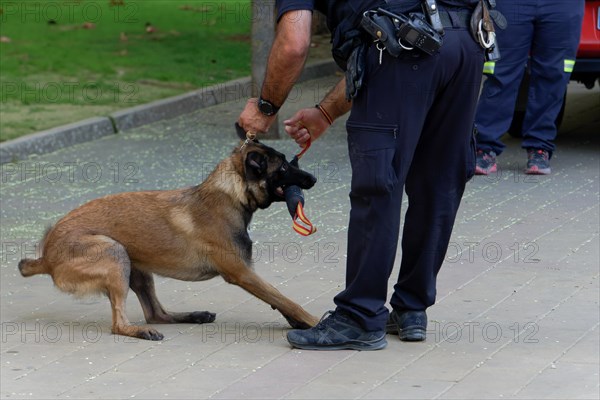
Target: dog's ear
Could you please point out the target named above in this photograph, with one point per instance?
(256, 163)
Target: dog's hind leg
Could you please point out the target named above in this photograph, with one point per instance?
(142, 283)
(98, 263)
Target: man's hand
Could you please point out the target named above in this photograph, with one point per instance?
(286, 62)
(252, 120)
(308, 123)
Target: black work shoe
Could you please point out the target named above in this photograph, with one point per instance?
(337, 331)
(411, 326)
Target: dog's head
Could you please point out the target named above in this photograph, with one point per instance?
(268, 173)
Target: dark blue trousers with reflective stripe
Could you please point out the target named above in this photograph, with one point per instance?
(549, 31)
(410, 128)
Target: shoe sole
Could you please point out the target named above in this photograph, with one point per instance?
(362, 346)
(407, 335)
(537, 171)
(487, 171)
(412, 335)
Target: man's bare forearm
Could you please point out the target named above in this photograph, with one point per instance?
(334, 102)
(288, 55)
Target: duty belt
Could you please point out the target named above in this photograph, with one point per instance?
(396, 32)
(455, 19)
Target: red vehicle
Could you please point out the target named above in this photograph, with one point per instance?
(587, 66)
(586, 70)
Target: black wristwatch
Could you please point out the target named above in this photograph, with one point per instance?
(266, 107)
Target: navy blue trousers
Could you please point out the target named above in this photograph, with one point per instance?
(410, 128)
(549, 32)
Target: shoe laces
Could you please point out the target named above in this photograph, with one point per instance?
(326, 320)
(486, 155)
(538, 154)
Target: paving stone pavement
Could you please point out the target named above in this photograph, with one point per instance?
(518, 297)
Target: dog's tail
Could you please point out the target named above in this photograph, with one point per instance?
(29, 266)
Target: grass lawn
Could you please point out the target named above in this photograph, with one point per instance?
(63, 61)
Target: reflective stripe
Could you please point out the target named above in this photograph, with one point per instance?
(488, 67)
(569, 64)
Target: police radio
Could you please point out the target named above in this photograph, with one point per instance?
(399, 32)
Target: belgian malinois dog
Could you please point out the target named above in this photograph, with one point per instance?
(117, 242)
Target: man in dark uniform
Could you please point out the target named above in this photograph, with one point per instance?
(410, 127)
(547, 32)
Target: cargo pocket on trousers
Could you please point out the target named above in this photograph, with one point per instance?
(371, 149)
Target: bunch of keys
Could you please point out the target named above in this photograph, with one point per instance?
(247, 137)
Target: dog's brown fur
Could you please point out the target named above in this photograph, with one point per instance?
(117, 242)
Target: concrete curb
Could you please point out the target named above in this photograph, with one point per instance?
(178, 105)
(56, 138)
(94, 128)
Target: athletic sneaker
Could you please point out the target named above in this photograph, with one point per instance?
(337, 331)
(485, 163)
(537, 162)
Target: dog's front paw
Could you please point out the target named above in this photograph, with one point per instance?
(149, 334)
(297, 324)
(201, 317)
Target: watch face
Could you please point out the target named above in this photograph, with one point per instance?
(266, 107)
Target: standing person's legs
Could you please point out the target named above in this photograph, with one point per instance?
(555, 41)
(500, 89)
(438, 163)
(443, 163)
(383, 130)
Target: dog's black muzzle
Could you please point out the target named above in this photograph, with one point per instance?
(291, 179)
(295, 176)
(302, 180)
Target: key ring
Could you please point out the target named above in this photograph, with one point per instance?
(249, 138)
